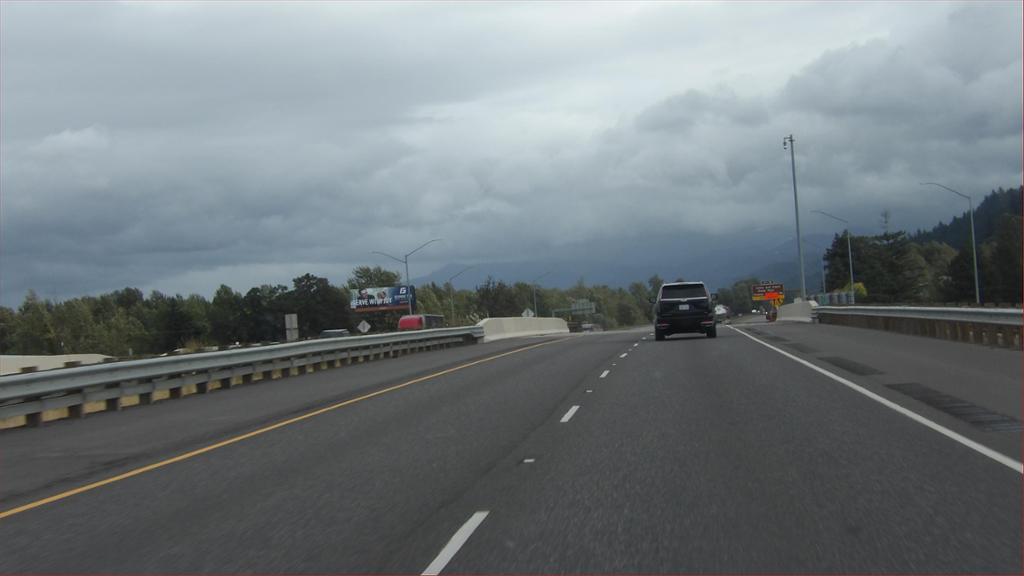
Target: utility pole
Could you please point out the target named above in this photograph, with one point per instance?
(788, 140)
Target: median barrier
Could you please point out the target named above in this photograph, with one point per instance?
(500, 328)
(1000, 327)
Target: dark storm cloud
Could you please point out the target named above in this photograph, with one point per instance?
(178, 146)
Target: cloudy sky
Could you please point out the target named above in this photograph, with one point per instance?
(181, 145)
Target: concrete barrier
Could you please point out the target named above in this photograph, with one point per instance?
(986, 326)
(500, 328)
(11, 364)
(796, 312)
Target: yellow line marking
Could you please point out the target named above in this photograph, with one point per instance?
(247, 435)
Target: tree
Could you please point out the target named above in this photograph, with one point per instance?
(497, 299)
(1006, 261)
(263, 310)
(176, 323)
(74, 327)
(625, 314)
(319, 305)
(642, 296)
(738, 297)
(937, 257)
(227, 316)
(429, 302)
(33, 331)
(7, 321)
(367, 277)
(655, 282)
(120, 335)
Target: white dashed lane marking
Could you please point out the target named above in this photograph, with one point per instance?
(569, 414)
(452, 547)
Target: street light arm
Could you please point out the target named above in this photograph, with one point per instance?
(534, 281)
(466, 269)
(424, 245)
(945, 188)
(823, 213)
(389, 256)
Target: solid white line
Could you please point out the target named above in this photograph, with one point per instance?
(604, 374)
(979, 448)
(452, 547)
(624, 355)
(569, 414)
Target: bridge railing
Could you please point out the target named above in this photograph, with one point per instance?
(986, 326)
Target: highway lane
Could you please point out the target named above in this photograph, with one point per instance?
(68, 453)
(686, 455)
(336, 492)
(685, 460)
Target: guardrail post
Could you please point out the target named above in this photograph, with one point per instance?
(113, 404)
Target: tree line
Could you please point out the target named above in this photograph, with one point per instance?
(927, 267)
(937, 266)
(128, 323)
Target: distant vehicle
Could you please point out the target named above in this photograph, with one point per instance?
(420, 322)
(721, 312)
(684, 307)
(335, 333)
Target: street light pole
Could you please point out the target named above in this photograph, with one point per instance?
(974, 245)
(451, 295)
(788, 140)
(849, 249)
(536, 313)
(405, 261)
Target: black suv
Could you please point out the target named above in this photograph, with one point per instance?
(684, 307)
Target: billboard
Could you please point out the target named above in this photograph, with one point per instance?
(382, 299)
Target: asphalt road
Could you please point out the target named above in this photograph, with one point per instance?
(596, 453)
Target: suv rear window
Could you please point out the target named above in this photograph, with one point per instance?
(683, 291)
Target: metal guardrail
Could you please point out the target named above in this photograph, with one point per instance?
(33, 393)
(1001, 316)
